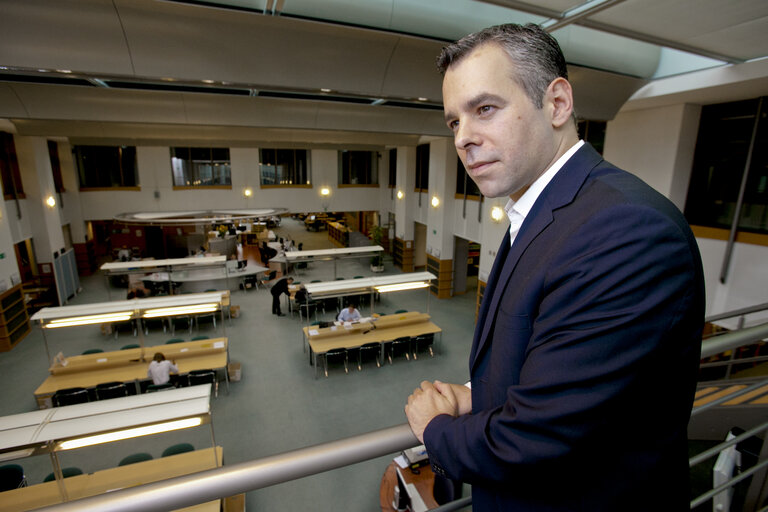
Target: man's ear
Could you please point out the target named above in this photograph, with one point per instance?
(560, 98)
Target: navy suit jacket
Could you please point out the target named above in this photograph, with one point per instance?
(585, 355)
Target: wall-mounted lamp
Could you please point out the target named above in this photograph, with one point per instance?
(435, 202)
(497, 214)
(51, 201)
(400, 194)
(325, 191)
(247, 192)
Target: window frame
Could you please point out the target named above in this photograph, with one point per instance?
(190, 165)
(77, 154)
(293, 172)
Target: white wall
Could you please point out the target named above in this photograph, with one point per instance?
(656, 144)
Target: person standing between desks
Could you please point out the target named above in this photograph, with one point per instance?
(584, 362)
(349, 314)
(279, 288)
(160, 369)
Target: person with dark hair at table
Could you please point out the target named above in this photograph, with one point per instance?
(160, 369)
(586, 351)
(279, 288)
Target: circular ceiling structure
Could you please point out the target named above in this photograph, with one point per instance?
(197, 216)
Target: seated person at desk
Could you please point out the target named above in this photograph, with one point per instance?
(160, 369)
(349, 314)
(124, 254)
(138, 290)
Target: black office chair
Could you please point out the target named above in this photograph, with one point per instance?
(368, 351)
(334, 355)
(134, 458)
(196, 377)
(65, 473)
(70, 396)
(177, 449)
(400, 346)
(422, 343)
(110, 390)
(12, 477)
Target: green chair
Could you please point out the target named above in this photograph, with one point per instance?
(92, 351)
(315, 281)
(128, 347)
(198, 338)
(12, 477)
(358, 277)
(65, 472)
(177, 449)
(174, 340)
(134, 458)
(401, 311)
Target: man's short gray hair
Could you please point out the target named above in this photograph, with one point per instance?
(537, 57)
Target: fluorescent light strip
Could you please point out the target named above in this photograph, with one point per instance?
(402, 286)
(130, 433)
(92, 319)
(181, 310)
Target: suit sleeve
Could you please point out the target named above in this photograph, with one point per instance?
(611, 305)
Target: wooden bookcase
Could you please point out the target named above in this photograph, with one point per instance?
(14, 322)
(86, 258)
(402, 254)
(442, 287)
(338, 233)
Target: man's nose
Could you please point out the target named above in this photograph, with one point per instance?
(464, 136)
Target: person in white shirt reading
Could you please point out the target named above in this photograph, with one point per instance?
(350, 314)
(160, 369)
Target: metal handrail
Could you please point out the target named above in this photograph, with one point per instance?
(234, 479)
(733, 340)
(737, 312)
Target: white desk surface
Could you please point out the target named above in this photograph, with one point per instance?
(210, 274)
(347, 285)
(126, 265)
(333, 253)
(129, 305)
(69, 421)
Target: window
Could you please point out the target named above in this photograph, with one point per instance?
(201, 167)
(358, 168)
(284, 167)
(464, 184)
(422, 168)
(106, 166)
(723, 149)
(9, 168)
(53, 153)
(393, 168)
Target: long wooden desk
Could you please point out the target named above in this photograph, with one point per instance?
(106, 480)
(126, 366)
(381, 330)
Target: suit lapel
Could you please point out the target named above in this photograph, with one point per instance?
(561, 191)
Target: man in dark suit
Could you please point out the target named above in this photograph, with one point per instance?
(279, 288)
(585, 355)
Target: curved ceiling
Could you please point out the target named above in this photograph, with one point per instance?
(341, 66)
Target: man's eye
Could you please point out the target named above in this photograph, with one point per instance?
(453, 125)
(485, 109)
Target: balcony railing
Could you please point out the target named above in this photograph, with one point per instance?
(248, 476)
